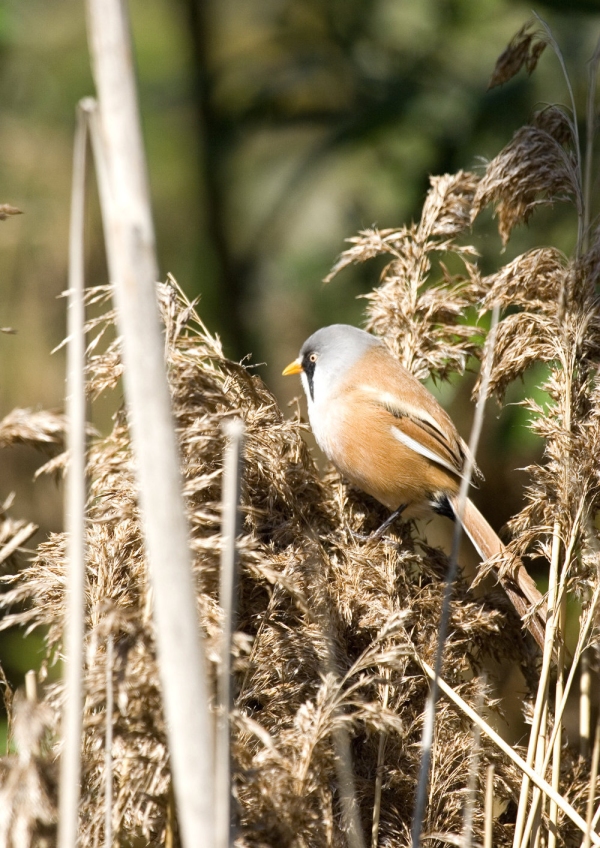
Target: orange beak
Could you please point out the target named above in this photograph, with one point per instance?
(294, 367)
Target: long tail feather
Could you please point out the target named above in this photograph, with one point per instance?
(520, 588)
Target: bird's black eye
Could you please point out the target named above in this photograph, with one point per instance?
(313, 357)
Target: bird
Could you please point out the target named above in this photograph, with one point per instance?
(387, 434)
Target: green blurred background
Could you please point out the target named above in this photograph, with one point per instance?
(274, 130)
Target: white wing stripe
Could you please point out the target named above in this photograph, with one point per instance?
(392, 402)
(411, 443)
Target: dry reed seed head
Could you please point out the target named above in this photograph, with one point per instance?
(532, 281)
(524, 50)
(563, 488)
(586, 270)
(557, 122)
(420, 318)
(522, 339)
(28, 780)
(534, 168)
(368, 244)
(7, 211)
(36, 428)
(116, 566)
(447, 207)
(14, 534)
(559, 327)
(584, 575)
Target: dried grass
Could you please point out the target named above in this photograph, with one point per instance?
(330, 624)
(524, 50)
(6, 211)
(423, 323)
(323, 616)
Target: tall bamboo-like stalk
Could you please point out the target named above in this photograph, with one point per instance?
(379, 772)
(467, 831)
(488, 830)
(232, 472)
(592, 788)
(108, 743)
(133, 269)
(70, 764)
(536, 749)
(585, 709)
(557, 745)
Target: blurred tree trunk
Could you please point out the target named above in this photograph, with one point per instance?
(215, 133)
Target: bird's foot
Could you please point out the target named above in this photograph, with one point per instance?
(388, 523)
(360, 537)
(376, 535)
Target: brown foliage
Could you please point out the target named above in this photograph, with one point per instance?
(421, 318)
(330, 621)
(326, 620)
(524, 50)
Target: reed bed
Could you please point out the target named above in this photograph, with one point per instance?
(336, 633)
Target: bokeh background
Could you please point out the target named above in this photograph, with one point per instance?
(274, 130)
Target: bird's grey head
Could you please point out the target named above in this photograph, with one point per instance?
(328, 354)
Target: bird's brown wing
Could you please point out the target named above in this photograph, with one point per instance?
(413, 409)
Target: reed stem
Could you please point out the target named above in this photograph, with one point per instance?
(108, 742)
(75, 498)
(232, 475)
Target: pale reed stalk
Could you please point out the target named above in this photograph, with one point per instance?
(230, 522)
(521, 831)
(31, 692)
(534, 836)
(488, 816)
(557, 734)
(592, 788)
(585, 706)
(75, 497)
(108, 743)
(467, 831)
(379, 775)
